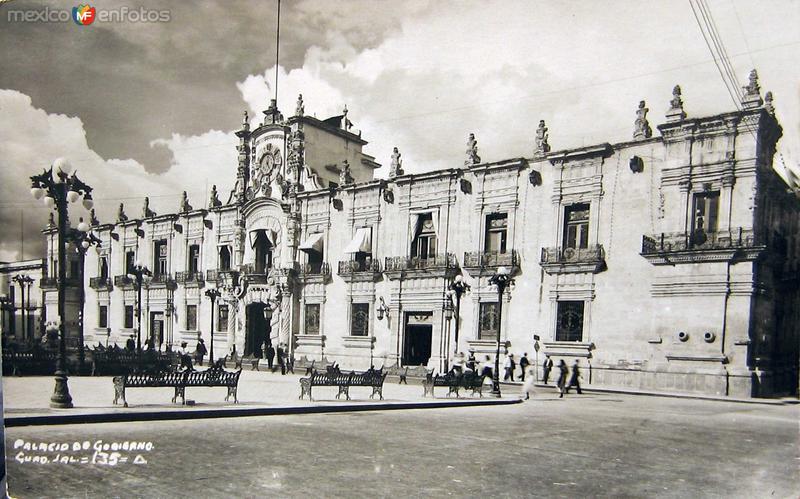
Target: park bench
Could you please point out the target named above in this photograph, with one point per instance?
(29, 362)
(178, 380)
(454, 382)
(343, 381)
(314, 365)
(117, 361)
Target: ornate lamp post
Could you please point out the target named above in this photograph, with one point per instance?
(138, 272)
(83, 239)
(58, 187)
(458, 287)
(501, 279)
(212, 294)
(24, 280)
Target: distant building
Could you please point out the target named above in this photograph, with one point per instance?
(21, 301)
(667, 262)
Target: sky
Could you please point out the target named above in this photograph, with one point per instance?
(148, 108)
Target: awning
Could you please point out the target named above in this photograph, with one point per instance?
(362, 241)
(415, 217)
(312, 243)
(270, 234)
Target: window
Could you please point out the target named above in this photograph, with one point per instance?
(424, 244)
(160, 258)
(102, 316)
(576, 230)
(315, 261)
(496, 231)
(569, 323)
(224, 258)
(706, 205)
(312, 318)
(222, 318)
(103, 268)
(359, 319)
(488, 323)
(191, 317)
(128, 316)
(74, 269)
(130, 261)
(194, 259)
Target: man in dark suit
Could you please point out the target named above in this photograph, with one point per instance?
(282, 358)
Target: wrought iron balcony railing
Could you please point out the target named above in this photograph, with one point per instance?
(100, 283)
(164, 279)
(319, 268)
(440, 261)
(491, 259)
(669, 242)
(123, 281)
(559, 255)
(353, 266)
(52, 282)
(185, 277)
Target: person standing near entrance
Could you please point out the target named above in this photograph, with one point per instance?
(282, 358)
(186, 359)
(200, 352)
(562, 377)
(523, 366)
(130, 344)
(573, 380)
(546, 368)
(509, 366)
(270, 357)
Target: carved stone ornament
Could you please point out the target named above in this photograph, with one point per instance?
(542, 147)
(751, 94)
(396, 167)
(535, 178)
(121, 216)
(185, 206)
(93, 218)
(388, 196)
(344, 175)
(146, 211)
(676, 112)
(768, 106)
(472, 151)
(300, 109)
(214, 201)
(636, 164)
(642, 128)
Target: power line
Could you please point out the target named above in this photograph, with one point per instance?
(714, 56)
(721, 50)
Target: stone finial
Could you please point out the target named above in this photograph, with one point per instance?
(185, 206)
(146, 211)
(344, 176)
(642, 128)
(214, 201)
(246, 121)
(272, 115)
(346, 124)
(676, 112)
(300, 109)
(542, 147)
(93, 221)
(51, 221)
(768, 106)
(472, 151)
(121, 216)
(396, 167)
(751, 94)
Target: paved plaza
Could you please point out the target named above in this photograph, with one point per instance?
(594, 445)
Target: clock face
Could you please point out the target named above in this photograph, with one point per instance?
(269, 160)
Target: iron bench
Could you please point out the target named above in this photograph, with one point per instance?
(344, 380)
(454, 382)
(122, 362)
(178, 380)
(32, 362)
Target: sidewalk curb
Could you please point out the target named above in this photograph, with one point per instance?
(172, 415)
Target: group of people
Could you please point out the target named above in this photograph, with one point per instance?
(281, 355)
(566, 379)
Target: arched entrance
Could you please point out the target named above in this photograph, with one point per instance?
(258, 329)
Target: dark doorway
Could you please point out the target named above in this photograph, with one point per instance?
(156, 329)
(258, 330)
(417, 347)
(263, 248)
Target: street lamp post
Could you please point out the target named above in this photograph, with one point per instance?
(58, 187)
(24, 280)
(458, 287)
(138, 272)
(83, 239)
(501, 279)
(212, 294)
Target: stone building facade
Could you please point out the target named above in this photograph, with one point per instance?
(21, 319)
(667, 262)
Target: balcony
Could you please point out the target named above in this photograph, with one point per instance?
(669, 248)
(52, 282)
(314, 272)
(190, 278)
(162, 280)
(485, 263)
(123, 281)
(440, 265)
(359, 270)
(558, 260)
(101, 283)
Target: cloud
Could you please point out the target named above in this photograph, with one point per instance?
(33, 138)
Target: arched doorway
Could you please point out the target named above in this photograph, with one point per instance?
(258, 329)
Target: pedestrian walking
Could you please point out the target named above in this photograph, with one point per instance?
(546, 368)
(185, 358)
(573, 379)
(130, 344)
(200, 352)
(471, 362)
(527, 386)
(487, 368)
(458, 363)
(290, 362)
(509, 366)
(281, 358)
(562, 377)
(523, 366)
(270, 356)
